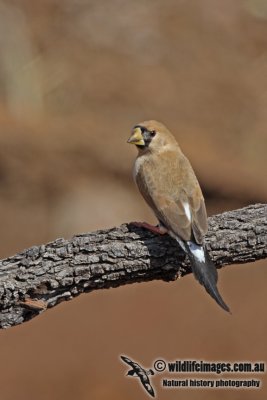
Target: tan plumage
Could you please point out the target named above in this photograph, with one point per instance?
(167, 182)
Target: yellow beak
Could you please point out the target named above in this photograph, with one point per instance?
(136, 137)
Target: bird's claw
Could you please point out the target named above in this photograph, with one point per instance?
(160, 230)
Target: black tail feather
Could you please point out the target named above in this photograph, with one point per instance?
(206, 274)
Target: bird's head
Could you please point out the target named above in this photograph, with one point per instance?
(150, 136)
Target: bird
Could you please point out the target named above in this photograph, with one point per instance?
(170, 187)
(141, 373)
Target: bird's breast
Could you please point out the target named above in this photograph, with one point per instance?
(139, 162)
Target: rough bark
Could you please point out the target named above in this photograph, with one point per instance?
(43, 276)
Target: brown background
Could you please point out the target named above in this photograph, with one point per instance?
(75, 76)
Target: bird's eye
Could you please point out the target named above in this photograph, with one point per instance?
(152, 133)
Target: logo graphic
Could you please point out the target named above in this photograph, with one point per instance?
(141, 373)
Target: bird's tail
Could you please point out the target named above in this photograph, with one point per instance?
(205, 271)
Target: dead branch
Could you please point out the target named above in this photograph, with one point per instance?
(43, 276)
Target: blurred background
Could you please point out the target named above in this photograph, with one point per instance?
(75, 76)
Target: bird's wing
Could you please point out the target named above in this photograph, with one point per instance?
(149, 389)
(132, 364)
(127, 360)
(171, 189)
(199, 218)
(146, 383)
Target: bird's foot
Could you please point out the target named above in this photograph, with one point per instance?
(159, 229)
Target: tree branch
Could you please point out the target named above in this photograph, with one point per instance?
(43, 276)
